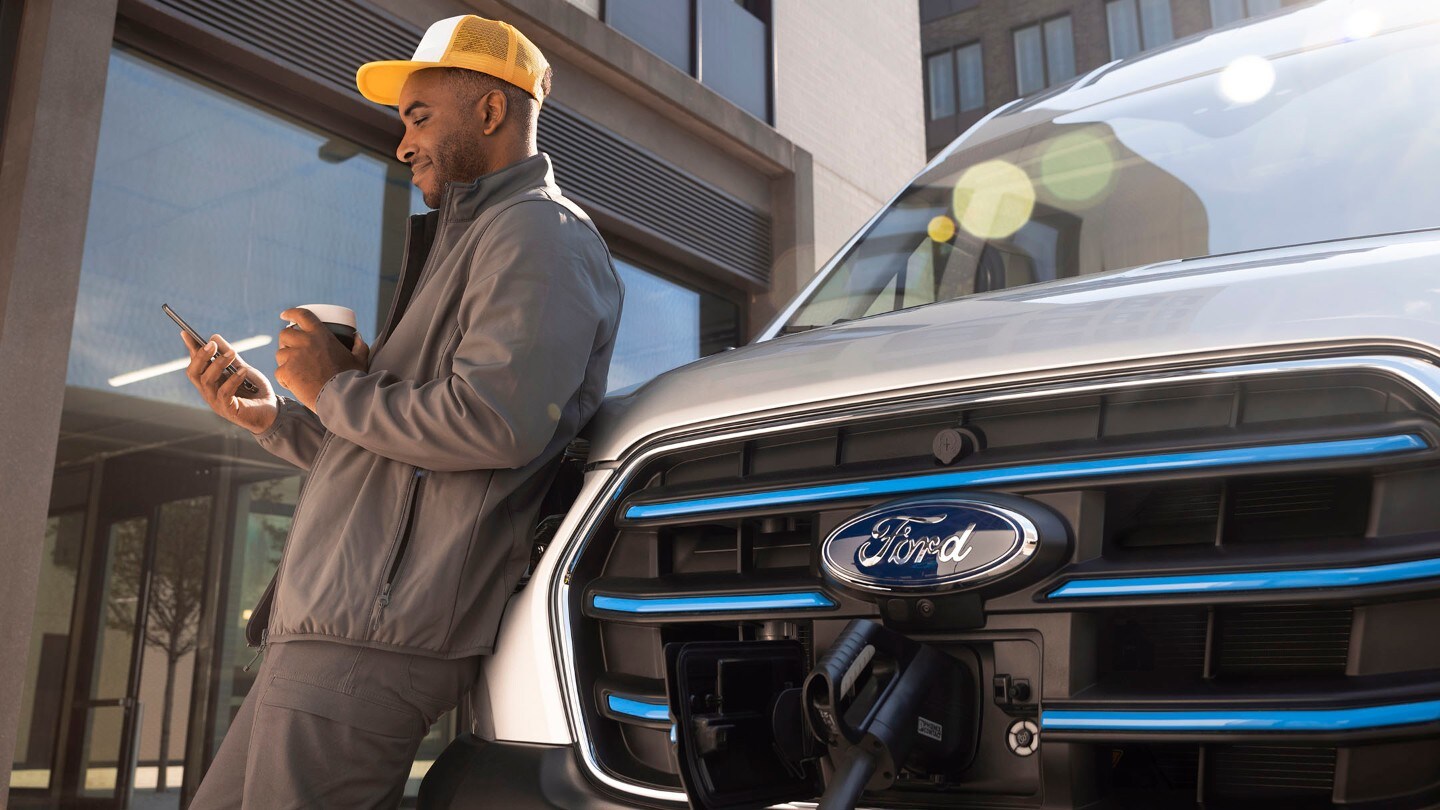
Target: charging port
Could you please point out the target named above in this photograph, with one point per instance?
(876, 704)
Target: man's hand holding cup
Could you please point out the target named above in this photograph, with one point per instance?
(311, 349)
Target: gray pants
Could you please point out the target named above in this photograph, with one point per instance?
(331, 725)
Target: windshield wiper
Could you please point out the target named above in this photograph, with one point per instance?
(795, 328)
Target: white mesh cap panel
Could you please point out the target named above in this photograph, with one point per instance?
(437, 38)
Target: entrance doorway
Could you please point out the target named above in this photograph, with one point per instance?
(107, 702)
(163, 532)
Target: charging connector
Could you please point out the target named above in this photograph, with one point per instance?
(881, 702)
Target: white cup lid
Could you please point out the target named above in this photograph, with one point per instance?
(332, 313)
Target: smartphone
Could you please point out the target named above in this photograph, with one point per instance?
(247, 386)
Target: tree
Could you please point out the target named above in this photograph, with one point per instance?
(177, 580)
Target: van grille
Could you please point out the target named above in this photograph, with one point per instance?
(1255, 651)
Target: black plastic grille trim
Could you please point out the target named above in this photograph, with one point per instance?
(1269, 771)
(1289, 638)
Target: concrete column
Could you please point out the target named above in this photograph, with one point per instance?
(792, 238)
(51, 131)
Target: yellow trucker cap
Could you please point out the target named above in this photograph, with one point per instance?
(467, 41)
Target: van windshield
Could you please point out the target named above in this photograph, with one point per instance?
(1317, 144)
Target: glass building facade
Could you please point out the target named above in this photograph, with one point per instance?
(165, 523)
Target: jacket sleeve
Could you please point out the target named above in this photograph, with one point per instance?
(529, 318)
(295, 435)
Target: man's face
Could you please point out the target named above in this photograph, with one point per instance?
(443, 141)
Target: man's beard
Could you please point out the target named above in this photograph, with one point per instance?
(456, 159)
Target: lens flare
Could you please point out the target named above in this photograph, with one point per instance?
(1077, 166)
(994, 199)
(1246, 80)
(941, 229)
(1363, 23)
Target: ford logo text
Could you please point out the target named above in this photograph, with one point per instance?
(929, 544)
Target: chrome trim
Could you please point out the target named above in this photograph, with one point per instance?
(1421, 375)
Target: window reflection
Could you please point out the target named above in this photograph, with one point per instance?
(263, 512)
(169, 522)
(734, 53)
(1169, 173)
(723, 43)
(228, 216)
(664, 325)
(230, 213)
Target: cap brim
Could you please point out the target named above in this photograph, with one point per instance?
(381, 82)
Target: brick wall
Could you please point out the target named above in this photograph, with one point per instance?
(992, 22)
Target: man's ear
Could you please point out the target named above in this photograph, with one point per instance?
(491, 110)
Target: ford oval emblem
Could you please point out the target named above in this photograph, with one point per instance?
(929, 544)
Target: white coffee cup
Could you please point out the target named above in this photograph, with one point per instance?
(339, 320)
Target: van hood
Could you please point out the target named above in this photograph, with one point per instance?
(1369, 292)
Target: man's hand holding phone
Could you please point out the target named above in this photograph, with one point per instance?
(254, 412)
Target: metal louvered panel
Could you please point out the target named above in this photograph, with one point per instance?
(598, 167)
(329, 39)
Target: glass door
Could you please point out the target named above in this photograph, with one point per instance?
(128, 722)
(108, 712)
(174, 588)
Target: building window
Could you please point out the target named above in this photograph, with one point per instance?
(1044, 54)
(940, 84)
(1137, 25)
(1224, 12)
(230, 212)
(954, 80)
(663, 27)
(971, 70)
(931, 10)
(723, 43)
(664, 325)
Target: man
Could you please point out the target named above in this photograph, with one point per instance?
(428, 453)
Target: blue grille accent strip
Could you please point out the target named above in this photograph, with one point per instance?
(1251, 580)
(801, 600)
(635, 707)
(1161, 462)
(1278, 720)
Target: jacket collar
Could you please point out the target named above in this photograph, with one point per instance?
(465, 201)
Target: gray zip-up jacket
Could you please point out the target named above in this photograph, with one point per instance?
(414, 524)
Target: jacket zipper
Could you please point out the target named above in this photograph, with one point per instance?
(401, 544)
(393, 570)
(264, 642)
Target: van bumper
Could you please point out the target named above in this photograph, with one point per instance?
(476, 773)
